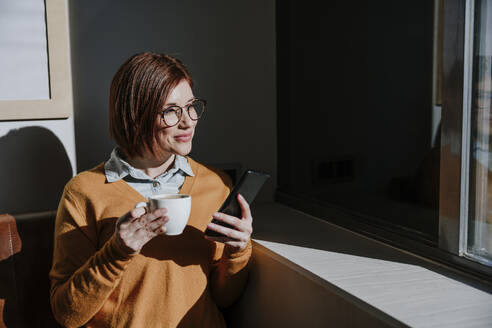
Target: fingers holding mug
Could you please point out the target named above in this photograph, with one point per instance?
(178, 208)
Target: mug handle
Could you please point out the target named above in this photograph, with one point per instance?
(144, 205)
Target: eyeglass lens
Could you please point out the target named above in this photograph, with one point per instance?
(173, 114)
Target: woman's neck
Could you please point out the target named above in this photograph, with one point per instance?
(153, 167)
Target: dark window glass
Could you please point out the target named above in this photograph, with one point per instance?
(358, 125)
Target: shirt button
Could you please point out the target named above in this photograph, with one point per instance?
(156, 184)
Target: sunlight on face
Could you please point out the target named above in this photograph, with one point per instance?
(177, 139)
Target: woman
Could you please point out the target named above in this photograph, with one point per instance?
(112, 265)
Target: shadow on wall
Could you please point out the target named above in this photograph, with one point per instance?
(34, 168)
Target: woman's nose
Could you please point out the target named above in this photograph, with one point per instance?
(186, 121)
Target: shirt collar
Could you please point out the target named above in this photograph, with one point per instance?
(182, 164)
(117, 168)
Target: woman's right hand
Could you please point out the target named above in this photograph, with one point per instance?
(137, 227)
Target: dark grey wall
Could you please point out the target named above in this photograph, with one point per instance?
(229, 48)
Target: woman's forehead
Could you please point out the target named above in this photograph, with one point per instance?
(181, 94)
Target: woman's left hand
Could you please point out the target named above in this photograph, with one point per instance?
(237, 237)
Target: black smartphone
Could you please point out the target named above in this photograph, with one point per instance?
(248, 186)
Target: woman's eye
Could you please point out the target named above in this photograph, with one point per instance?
(169, 111)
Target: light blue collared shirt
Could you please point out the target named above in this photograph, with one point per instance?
(169, 182)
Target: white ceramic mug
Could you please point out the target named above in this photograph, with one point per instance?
(178, 210)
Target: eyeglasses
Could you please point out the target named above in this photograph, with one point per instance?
(172, 115)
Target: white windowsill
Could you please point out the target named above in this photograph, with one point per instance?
(406, 288)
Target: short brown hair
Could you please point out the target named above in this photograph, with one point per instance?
(138, 92)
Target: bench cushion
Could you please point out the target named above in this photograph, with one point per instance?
(26, 247)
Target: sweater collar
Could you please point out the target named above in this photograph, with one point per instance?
(117, 168)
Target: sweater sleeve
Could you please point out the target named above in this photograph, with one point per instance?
(229, 274)
(82, 276)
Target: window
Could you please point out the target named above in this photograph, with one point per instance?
(372, 123)
(479, 243)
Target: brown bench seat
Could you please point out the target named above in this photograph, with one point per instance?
(26, 247)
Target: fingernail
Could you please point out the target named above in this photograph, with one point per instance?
(215, 214)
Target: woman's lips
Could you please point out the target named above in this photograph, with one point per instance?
(183, 137)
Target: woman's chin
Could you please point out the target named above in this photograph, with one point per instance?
(183, 149)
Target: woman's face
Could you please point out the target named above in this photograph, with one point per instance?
(177, 139)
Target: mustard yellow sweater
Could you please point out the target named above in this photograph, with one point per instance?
(174, 280)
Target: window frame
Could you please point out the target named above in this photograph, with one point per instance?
(455, 142)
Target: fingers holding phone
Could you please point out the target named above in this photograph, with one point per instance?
(236, 232)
